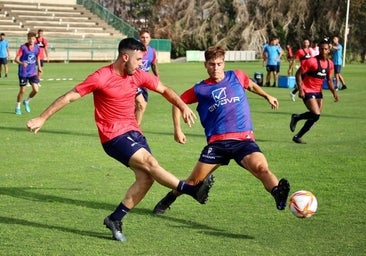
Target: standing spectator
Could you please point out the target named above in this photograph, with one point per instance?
(290, 58)
(337, 50)
(272, 54)
(309, 78)
(302, 54)
(227, 138)
(277, 42)
(43, 48)
(114, 89)
(149, 59)
(27, 58)
(4, 55)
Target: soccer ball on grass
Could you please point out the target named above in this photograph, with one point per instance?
(303, 204)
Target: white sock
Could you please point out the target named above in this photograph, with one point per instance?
(17, 105)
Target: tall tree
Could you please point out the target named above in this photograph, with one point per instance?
(247, 24)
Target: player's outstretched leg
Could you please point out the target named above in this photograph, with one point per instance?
(201, 196)
(280, 193)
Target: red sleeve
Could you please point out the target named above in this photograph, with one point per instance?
(299, 54)
(20, 52)
(243, 78)
(189, 96)
(146, 79)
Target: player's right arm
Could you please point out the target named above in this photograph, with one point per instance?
(35, 124)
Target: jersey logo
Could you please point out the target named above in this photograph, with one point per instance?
(219, 94)
(221, 99)
(144, 65)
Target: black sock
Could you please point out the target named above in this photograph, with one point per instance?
(119, 212)
(294, 91)
(308, 124)
(186, 188)
(274, 191)
(306, 115)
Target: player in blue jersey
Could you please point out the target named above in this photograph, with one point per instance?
(224, 113)
(27, 58)
(4, 54)
(272, 54)
(149, 60)
(337, 50)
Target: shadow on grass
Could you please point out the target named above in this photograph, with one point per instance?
(63, 132)
(14, 221)
(201, 228)
(28, 193)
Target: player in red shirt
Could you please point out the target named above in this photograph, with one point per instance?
(43, 49)
(301, 54)
(309, 79)
(114, 88)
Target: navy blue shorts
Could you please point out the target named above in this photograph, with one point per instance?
(143, 91)
(32, 80)
(221, 152)
(124, 146)
(317, 95)
(337, 69)
(3, 61)
(271, 68)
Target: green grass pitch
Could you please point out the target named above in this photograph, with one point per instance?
(56, 187)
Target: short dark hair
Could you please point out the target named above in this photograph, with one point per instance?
(31, 34)
(143, 31)
(214, 52)
(2, 34)
(130, 44)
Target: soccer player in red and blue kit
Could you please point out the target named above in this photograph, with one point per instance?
(149, 60)
(27, 58)
(309, 79)
(225, 116)
(114, 88)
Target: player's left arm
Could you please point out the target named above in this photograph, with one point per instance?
(39, 64)
(188, 115)
(254, 88)
(154, 68)
(46, 51)
(330, 83)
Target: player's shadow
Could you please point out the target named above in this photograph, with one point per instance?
(63, 132)
(27, 193)
(30, 194)
(15, 221)
(190, 224)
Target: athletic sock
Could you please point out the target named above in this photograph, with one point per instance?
(119, 212)
(306, 115)
(17, 105)
(274, 190)
(186, 188)
(308, 124)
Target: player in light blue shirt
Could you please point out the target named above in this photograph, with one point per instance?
(337, 51)
(4, 55)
